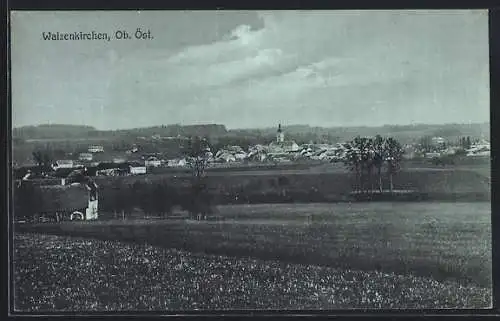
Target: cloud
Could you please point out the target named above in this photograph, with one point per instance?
(316, 66)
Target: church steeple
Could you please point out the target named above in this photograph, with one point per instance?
(280, 137)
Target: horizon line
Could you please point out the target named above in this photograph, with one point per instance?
(252, 128)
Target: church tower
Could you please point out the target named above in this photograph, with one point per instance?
(280, 137)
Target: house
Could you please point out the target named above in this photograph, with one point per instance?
(152, 162)
(176, 163)
(119, 160)
(63, 163)
(85, 157)
(479, 150)
(437, 141)
(240, 155)
(95, 149)
(234, 149)
(225, 156)
(78, 201)
(137, 169)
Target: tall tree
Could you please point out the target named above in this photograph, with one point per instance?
(468, 143)
(360, 159)
(353, 161)
(365, 147)
(197, 154)
(379, 156)
(394, 153)
(426, 144)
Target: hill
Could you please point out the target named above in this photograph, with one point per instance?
(403, 133)
(301, 133)
(60, 132)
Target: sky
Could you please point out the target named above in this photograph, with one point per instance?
(249, 69)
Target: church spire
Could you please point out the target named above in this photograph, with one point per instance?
(280, 137)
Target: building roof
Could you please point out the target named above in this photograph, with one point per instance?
(63, 198)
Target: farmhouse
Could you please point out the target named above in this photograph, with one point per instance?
(78, 201)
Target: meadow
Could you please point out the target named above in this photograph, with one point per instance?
(81, 275)
(337, 255)
(444, 241)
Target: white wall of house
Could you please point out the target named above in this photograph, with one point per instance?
(64, 164)
(85, 156)
(91, 213)
(152, 163)
(138, 170)
(96, 149)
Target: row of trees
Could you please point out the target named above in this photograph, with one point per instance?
(368, 156)
(158, 198)
(161, 197)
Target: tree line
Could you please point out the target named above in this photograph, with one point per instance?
(371, 158)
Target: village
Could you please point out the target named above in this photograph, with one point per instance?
(281, 150)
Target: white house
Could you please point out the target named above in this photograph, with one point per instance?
(64, 163)
(95, 149)
(85, 157)
(137, 170)
(119, 160)
(482, 149)
(152, 162)
(227, 157)
(176, 163)
(240, 155)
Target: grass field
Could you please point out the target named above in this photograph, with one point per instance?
(445, 241)
(75, 274)
(327, 183)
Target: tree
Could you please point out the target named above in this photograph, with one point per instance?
(197, 154)
(163, 198)
(426, 144)
(42, 160)
(380, 151)
(360, 159)
(353, 161)
(394, 153)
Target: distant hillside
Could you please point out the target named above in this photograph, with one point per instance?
(211, 130)
(52, 131)
(74, 131)
(216, 132)
(404, 133)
